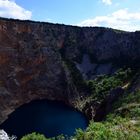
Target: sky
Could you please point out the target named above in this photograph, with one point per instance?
(118, 14)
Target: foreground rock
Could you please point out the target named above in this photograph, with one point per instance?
(4, 136)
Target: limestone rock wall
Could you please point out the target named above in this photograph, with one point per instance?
(31, 56)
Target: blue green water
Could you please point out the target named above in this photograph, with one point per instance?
(50, 118)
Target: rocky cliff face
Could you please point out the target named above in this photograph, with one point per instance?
(33, 55)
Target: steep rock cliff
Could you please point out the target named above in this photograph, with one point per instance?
(33, 58)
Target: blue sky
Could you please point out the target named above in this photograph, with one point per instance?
(119, 14)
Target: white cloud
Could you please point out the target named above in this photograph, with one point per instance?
(9, 9)
(107, 2)
(121, 19)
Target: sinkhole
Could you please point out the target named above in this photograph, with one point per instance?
(50, 118)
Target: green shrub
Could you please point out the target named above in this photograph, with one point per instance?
(128, 105)
(102, 85)
(37, 136)
(116, 129)
(34, 136)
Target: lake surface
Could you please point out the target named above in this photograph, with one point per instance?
(50, 118)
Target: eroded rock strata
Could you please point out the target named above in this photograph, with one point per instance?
(35, 61)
